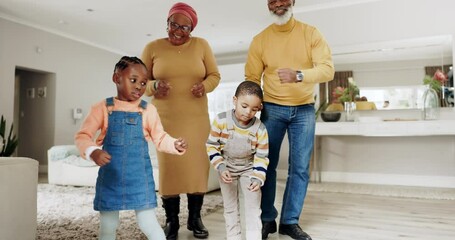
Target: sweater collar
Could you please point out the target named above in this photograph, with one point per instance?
(287, 27)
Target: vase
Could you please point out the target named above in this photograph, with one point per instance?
(430, 104)
(349, 108)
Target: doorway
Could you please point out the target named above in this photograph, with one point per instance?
(34, 114)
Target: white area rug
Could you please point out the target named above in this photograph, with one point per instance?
(385, 190)
(66, 212)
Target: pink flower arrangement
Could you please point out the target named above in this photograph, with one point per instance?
(440, 76)
(345, 94)
(435, 82)
(337, 93)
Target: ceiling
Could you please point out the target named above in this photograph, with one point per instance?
(125, 26)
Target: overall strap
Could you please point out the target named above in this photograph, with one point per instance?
(142, 106)
(254, 129)
(229, 122)
(110, 104)
(110, 101)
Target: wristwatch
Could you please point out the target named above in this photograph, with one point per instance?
(299, 76)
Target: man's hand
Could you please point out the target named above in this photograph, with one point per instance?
(101, 157)
(287, 75)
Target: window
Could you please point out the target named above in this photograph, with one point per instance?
(220, 99)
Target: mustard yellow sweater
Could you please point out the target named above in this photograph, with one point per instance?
(294, 45)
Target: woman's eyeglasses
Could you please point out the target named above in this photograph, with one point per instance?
(174, 26)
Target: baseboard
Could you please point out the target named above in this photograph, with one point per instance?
(380, 178)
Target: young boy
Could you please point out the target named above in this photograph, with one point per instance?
(238, 148)
(126, 123)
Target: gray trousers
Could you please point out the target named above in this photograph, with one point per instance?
(252, 207)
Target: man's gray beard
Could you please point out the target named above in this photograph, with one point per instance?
(281, 20)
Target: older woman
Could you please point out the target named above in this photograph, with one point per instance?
(182, 70)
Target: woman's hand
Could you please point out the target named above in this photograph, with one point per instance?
(100, 157)
(198, 90)
(162, 89)
(180, 144)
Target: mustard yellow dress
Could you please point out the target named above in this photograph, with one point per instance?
(182, 114)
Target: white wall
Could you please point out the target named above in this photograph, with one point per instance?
(384, 20)
(83, 73)
(390, 73)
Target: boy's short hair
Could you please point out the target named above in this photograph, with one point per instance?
(249, 88)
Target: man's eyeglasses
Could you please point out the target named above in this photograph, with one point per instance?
(174, 26)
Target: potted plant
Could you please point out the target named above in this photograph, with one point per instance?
(322, 107)
(7, 144)
(349, 93)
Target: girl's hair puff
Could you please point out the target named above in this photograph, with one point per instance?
(126, 61)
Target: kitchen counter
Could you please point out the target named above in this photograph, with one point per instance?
(413, 152)
(387, 128)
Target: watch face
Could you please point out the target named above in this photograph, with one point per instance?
(299, 76)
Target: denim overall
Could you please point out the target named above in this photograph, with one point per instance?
(239, 154)
(126, 183)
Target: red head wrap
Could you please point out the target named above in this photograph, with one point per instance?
(186, 10)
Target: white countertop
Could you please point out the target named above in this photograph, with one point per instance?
(387, 128)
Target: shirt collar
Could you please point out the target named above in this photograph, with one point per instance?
(287, 27)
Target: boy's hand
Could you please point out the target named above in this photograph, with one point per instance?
(254, 186)
(100, 157)
(180, 144)
(226, 176)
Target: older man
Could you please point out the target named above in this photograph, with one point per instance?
(289, 57)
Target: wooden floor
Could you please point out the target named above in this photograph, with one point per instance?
(341, 216)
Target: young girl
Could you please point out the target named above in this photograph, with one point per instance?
(126, 123)
(238, 148)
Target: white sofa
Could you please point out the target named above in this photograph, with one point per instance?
(18, 198)
(66, 167)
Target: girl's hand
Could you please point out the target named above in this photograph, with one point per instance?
(226, 176)
(254, 186)
(180, 144)
(101, 157)
(198, 90)
(162, 89)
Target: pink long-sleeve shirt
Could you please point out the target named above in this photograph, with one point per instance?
(97, 120)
